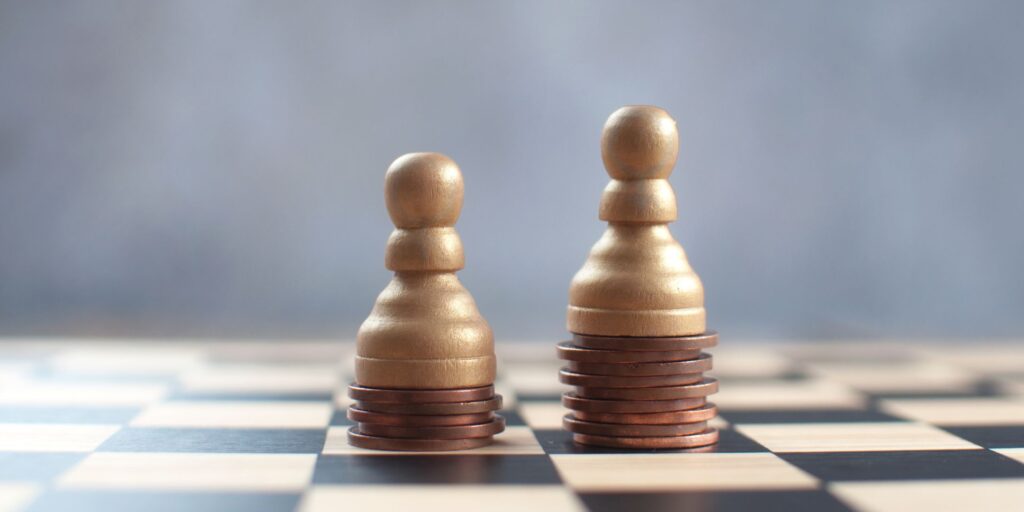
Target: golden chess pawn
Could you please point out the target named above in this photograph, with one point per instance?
(424, 331)
(425, 356)
(637, 280)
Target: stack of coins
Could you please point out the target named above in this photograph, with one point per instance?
(424, 419)
(633, 392)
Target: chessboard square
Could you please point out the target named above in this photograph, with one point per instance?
(262, 378)
(1007, 436)
(143, 439)
(1016, 454)
(742, 416)
(533, 379)
(39, 437)
(793, 394)
(15, 496)
(993, 358)
(680, 472)
(36, 466)
(750, 363)
(81, 394)
(717, 501)
(906, 465)
(543, 415)
(513, 441)
(137, 359)
(192, 471)
(66, 414)
(910, 376)
(491, 498)
(163, 501)
(235, 414)
(450, 469)
(1006, 495)
(852, 437)
(959, 411)
(559, 442)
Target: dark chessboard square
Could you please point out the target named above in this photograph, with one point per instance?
(215, 440)
(1008, 436)
(539, 397)
(26, 466)
(557, 442)
(107, 501)
(512, 418)
(807, 416)
(906, 465)
(340, 417)
(736, 501)
(435, 469)
(87, 415)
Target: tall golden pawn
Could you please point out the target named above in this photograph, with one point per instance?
(637, 280)
(425, 331)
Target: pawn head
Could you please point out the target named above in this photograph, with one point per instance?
(423, 190)
(639, 142)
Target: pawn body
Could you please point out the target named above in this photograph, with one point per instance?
(637, 280)
(424, 331)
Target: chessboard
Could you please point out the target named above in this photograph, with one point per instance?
(159, 425)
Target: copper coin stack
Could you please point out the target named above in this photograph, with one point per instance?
(639, 392)
(423, 419)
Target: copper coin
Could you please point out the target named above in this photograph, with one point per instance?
(696, 342)
(417, 420)
(701, 364)
(355, 438)
(709, 436)
(458, 408)
(487, 429)
(705, 413)
(577, 426)
(566, 350)
(613, 381)
(571, 401)
(705, 387)
(419, 396)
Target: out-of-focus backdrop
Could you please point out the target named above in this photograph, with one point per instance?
(848, 169)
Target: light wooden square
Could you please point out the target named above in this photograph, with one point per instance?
(37, 437)
(749, 362)
(680, 472)
(139, 359)
(489, 498)
(931, 496)
(535, 379)
(852, 437)
(15, 496)
(912, 376)
(80, 394)
(192, 471)
(971, 411)
(262, 378)
(543, 415)
(513, 441)
(799, 394)
(238, 414)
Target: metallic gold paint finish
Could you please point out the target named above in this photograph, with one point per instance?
(425, 331)
(637, 280)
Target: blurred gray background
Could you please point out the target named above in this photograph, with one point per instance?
(848, 169)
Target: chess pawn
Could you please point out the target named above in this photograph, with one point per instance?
(425, 331)
(637, 280)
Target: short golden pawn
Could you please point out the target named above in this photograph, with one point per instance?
(637, 280)
(425, 331)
